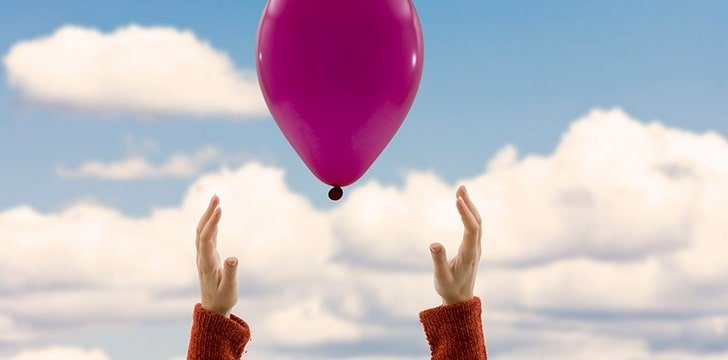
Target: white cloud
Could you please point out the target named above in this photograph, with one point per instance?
(312, 323)
(137, 167)
(60, 353)
(618, 234)
(149, 71)
(10, 331)
(89, 245)
(614, 190)
(579, 346)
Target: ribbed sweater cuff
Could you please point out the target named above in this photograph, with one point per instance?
(217, 337)
(455, 331)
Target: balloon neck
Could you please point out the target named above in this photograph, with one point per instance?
(336, 193)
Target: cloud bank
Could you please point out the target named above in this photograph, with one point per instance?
(144, 71)
(613, 246)
(60, 353)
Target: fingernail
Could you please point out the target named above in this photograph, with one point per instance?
(232, 262)
(434, 248)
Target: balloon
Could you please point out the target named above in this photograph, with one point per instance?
(339, 77)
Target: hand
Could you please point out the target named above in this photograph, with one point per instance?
(454, 280)
(218, 283)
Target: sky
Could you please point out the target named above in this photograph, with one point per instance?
(592, 135)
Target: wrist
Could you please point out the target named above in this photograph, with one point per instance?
(217, 310)
(455, 300)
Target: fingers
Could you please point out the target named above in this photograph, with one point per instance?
(470, 247)
(228, 283)
(214, 201)
(463, 193)
(439, 260)
(207, 235)
(469, 221)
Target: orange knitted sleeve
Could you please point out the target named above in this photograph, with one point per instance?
(455, 332)
(215, 337)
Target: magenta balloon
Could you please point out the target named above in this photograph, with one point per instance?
(339, 77)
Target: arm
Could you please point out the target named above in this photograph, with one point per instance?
(454, 330)
(216, 333)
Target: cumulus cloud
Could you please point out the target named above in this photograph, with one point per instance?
(579, 346)
(614, 189)
(312, 323)
(255, 202)
(148, 71)
(613, 245)
(138, 167)
(10, 331)
(60, 353)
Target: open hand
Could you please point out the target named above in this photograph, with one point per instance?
(218, 283)
(455, 279)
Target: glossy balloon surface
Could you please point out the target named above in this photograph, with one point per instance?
(339, 77)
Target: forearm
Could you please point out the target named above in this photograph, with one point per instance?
(215, 337)
(455, 331)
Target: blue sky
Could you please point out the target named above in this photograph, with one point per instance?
(496, 73)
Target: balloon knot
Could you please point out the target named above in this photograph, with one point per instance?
(336, 193)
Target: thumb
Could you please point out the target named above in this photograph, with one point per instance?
(439, 259)
(229, 274)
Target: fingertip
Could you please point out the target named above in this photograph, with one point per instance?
(231, 261)
(229, 273)
(438, 256)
